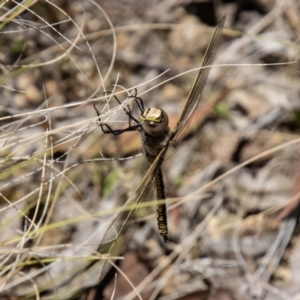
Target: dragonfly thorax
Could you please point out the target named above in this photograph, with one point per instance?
(155, 131)
(155, 121)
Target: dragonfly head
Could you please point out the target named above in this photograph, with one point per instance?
(155, 121)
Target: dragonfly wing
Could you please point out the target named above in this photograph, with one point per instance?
(198, 86)
(124, 224)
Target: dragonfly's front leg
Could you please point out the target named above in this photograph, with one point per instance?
(107, 129)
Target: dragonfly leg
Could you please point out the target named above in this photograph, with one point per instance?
(107, 129)
(139, 102)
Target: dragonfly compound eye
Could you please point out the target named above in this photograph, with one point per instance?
(154, 121)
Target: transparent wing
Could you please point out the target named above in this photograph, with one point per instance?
(125, 223)
(198, 86)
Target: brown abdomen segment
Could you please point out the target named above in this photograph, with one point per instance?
(161, 210)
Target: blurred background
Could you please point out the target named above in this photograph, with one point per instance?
(232, 184)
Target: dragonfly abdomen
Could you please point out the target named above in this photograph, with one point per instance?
(161, 209)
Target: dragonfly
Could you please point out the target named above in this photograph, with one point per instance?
(158, 140)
